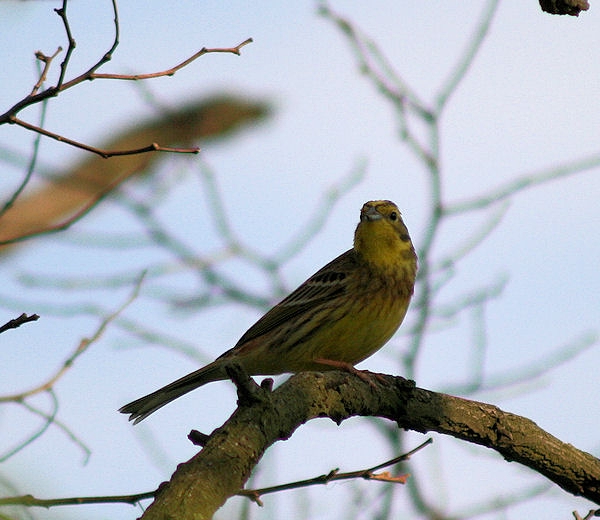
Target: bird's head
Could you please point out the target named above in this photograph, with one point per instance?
(381, 238)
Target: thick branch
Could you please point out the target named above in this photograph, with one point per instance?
(201, 485)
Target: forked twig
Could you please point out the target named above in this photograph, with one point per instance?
(31, 501)
(173, 70)
(334, 475)
(10, 116)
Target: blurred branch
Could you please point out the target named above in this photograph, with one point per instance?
(501, 503)
(204, 482)
(150, 336)
(321, 214)
(472, 299)
(72, 194)
(234, 246)
(523, 182)
(60, 425)
(471, 242)
(377, 68)
(48, 421)
(138, 329)
(528, 372)
(84, 344)
(30, 167)
(66, 224)
(467, 57)
(418, 118)
(218, 282)
(373, 63)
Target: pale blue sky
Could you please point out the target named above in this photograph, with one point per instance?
(531, 101)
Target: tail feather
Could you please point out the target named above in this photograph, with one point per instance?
(141, 408)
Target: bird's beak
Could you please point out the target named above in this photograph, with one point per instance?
(370, 214)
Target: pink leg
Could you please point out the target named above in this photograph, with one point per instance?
(347, 367)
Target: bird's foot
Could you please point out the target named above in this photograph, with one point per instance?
(363, 375)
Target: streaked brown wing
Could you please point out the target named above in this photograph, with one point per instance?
(325, 285)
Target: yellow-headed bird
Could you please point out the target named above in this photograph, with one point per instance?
(341, 315)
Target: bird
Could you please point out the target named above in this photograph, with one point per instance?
(341, 315)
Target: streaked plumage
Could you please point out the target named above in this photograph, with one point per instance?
(343, 313)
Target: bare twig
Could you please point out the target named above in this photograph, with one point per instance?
(154, 147)
(170, 72)
(10, 116)
(253, 494)
(334, 475)
(47, 61)
(592, 513)
(62, 13)
(31, 501)
(84, 344)
(17, 322)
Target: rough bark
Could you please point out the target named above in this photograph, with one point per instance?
(201, 485)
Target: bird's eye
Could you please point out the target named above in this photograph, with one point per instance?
(393, 215)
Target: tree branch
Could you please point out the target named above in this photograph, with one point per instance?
(335, 475)
(17, 322)
(83, 345)
(105, 154)
(37, 96)
(72, 194)
(570, 7)
(201, 485)
(253, 494)
(170, 72)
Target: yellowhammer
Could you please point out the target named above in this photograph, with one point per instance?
(341, 315)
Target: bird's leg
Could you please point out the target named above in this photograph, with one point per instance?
(347, 367)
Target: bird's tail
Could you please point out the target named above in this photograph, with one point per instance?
(141, 408)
